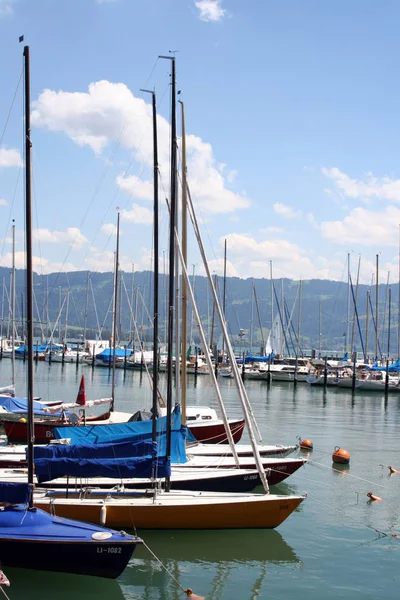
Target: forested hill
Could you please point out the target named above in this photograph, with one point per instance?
(328, 298)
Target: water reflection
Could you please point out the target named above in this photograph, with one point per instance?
(210, 562)
(45, 585)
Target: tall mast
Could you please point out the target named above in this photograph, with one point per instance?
(272, 306)
(184, 256)
(171, 261)
(13, 308)
(224, 300)
(320, 328)
(259, 319)
(398, 307)
(366, 326)
(29, 265)
(115, 311)
(299, 321)
(155, 266)
(66, 319)
(348, 303)
(2, 309)
(131, 317)
(376, 307)
(355, 305)
(252, 317)
(86, 306)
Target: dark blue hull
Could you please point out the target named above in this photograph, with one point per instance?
(94, 559)
(34, 539)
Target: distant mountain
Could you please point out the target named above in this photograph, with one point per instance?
(323, 302)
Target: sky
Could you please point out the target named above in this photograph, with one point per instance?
(292, 119)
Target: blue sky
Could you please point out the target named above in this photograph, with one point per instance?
(292, 111)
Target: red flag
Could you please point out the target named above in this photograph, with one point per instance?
(81, 397)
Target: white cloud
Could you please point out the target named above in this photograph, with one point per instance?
(217, 266)
(365, 227)
(72, 236)
(136, 187)
(384, 188)
(6, 7)
(251, 258)
(210, 10)
(108, 113)
(10, 157)
(3, 202)
(109, 229)
(271, 230)
(138, 214)
(286, 212)
(40, 264)
(102, 261)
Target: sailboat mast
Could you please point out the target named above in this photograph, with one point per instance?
(348, 304)
(366, 326)
(252, 317)
(320, 328)
(398, 307)
(86, 306)
(155, 266)
(171, 261)
(259, 320)
(184, 256)
(13, 308)
(115, 311)
(355, 305)
(2, 310)
(299, 321)
(29, 265)
(224, 301)
(376, 307)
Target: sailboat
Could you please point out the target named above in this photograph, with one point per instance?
(31, 538)
(155, 508)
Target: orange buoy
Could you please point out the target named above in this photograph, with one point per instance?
(305, 444)
(371, 496)
(340, 455)
(393, 471)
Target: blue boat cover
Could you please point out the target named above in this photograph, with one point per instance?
(133, 432)
(107, 354)
(261, 359)
(118, 468)
(98, 451)
(15, 493)
(37, 348)
(393, 368)
(20, 406)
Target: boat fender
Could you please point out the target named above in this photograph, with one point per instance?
(393, 471)
(374, 498)
(103, 515)
(340, 455)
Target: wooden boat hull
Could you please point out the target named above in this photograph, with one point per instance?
(251, 512)
(213, 432)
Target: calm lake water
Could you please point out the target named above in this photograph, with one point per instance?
(327, 549)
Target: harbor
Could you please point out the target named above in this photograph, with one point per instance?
(323, 548)
(199, 301)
